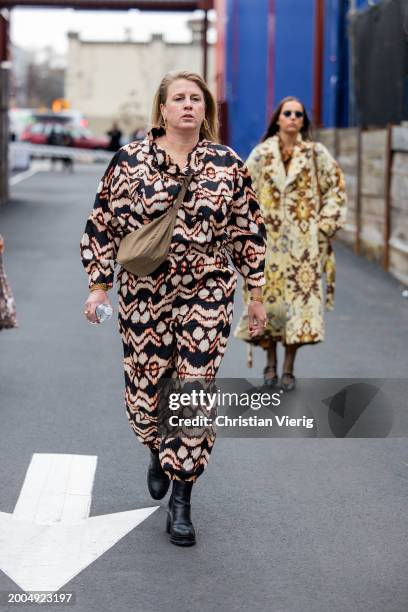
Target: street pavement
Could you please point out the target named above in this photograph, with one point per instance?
(283, 525)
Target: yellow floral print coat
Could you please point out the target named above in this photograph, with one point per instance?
(301, 217)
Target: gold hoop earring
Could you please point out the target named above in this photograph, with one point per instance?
(165, 122)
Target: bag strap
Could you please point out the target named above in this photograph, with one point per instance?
(185, 182)
(319, 194)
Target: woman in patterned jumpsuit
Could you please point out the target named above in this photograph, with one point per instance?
(175, 322)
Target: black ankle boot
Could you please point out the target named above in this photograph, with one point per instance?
(288, 381)
(270, 381)
(157, 480)
(179, 524)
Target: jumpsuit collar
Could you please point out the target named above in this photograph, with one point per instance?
(163, 161)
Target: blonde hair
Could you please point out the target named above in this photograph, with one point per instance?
(209, 127)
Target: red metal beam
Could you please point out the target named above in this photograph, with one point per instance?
(4, 100)
(4, 39)
(270, 60)
(204, 44)
(220, 7)
(234, 16)
(318, 63)
(111, 5)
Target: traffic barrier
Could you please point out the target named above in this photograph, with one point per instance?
(37, 151)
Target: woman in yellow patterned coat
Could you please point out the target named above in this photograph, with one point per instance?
(301, 191)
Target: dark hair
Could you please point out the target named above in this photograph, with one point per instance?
(273, 127)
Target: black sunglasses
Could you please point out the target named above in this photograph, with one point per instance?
(288, 113)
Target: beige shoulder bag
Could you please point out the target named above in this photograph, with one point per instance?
(142, 251)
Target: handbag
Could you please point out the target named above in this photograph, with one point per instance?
(8, 318)
(326, 251)
(142, 251)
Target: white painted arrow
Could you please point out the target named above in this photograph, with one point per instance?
(50, 537)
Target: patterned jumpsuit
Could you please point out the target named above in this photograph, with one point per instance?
(176, 321)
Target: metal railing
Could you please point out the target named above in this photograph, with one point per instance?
(57, 152)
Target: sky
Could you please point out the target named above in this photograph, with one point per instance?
(37, 28)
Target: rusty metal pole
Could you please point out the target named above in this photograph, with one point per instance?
(220, 8)
(271, 59)
(387, 198)
(4, 105)
(4, 35)
(205, 45)
(357, 246)
(318, 63)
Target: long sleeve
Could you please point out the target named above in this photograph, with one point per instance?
(99, 244)
(246, 230)
(333, 209)
(254, 164)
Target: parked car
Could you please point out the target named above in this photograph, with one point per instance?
(82, 138)
(73, 117)
(19, 119)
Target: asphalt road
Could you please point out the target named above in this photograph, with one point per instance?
(287, 525)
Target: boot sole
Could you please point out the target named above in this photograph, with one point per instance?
(182, 542)
(178, 541)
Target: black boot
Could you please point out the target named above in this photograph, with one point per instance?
(270, 381)
(288, 381)
(179, 524)
(157, 480)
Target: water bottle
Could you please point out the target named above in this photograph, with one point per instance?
(103, 312)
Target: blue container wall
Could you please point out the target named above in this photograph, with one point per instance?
(246, 72)
(331, 62)
(336, 71)
(248, 64)
(294, 50)
(288, 59)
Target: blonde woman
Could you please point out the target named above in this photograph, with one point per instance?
(175, 322)
(302, 195)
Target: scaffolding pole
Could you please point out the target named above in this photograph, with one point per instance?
(4, 105)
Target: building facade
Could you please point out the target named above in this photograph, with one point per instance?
(116, 81)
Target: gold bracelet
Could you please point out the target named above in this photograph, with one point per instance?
(99, 286)
(256, 298)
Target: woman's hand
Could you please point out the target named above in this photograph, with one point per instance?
(94, 299)
(256, 318)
